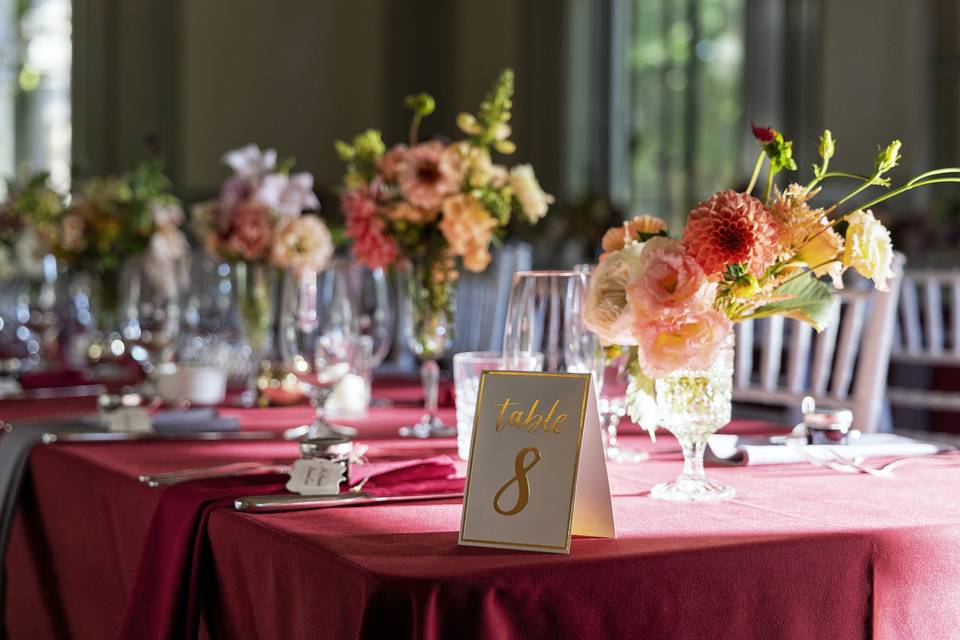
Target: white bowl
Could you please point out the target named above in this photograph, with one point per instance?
(199, 386)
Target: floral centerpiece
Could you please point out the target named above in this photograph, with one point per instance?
(28, 224)
(116, 218)
(670, 302)
(433, 206)
(256, 226)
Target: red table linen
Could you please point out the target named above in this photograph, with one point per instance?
(802, 552)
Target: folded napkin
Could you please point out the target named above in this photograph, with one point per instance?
(192, 421)
(165, 599)
(738, 451)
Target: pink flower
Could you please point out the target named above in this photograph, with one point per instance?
(371, 245)
(689, 341)
(392, 161)
(468, 228)
(670, 281)
(731, 228)
(428, 174)
(251, 230)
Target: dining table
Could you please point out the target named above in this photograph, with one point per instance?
(801, 552)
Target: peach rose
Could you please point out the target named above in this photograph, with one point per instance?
(643, 224)
(614, 239)
(689, 341)
(607, 311)
(468, 227)
(670, 281)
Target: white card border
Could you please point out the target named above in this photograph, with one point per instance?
(576, 471)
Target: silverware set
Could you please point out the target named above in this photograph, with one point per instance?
(227, 470)
(836, 461)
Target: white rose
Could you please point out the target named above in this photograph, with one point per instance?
(868, 248)
(607, 310)
(533, 200)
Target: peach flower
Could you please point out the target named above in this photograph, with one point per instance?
(406, 212)
(251, 230)
(391, 162)
(428, 173)
(731, 228)
(689, 341)
(670, 281)
(607, 310)
(643, 224)
(302, 244)
(614, 239)
(468, 228)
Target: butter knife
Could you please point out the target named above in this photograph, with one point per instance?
(274, 503)
(125, 436)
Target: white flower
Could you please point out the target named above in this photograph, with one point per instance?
(288, 195)
(533, 200)
(249, 161)
(302, 244)
(607, 309)
(868, 248)
(166, 213)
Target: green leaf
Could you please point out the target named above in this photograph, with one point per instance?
(641, 397)
(810, 301)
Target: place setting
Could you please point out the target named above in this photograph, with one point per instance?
(431, 323)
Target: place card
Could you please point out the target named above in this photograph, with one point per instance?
(316, 477)
(537, 472)
(129, 420)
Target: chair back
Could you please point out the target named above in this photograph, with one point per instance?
(927, 335)
(482, 299)
(781, 360)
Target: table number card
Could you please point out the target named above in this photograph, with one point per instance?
(537, 472)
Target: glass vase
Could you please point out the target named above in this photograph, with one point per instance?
(692, 404)
(429, 306)
(256, 296)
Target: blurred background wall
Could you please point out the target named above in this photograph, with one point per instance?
(621, 105)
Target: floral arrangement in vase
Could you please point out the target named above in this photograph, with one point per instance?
(432, 207)
(670, 302)
(116, 218)
(256, 226)
(29, 217)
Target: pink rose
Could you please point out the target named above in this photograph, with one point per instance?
(670, 282)
(689, 341)
(251, 230)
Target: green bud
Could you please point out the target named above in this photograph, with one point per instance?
(369, 145)
(745, 286)
(421, 104)
(345, 152)
(888, 158)
(827, 145)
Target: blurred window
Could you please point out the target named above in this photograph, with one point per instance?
(686, 73)
(35, 59)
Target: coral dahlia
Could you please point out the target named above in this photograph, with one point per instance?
(731, 228)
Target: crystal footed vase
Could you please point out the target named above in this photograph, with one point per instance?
(256, 287)
(429, 305)
(692, 404)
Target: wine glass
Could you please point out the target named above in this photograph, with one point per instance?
(371, 291)
(428, 329)
(545, 315)
(37, 312)
(150, 316)
(319, 338)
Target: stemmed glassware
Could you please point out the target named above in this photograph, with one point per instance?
(612, 403)
(319, 338)
(545, 316)
(38, 316)
(428, 330)
(150, 312)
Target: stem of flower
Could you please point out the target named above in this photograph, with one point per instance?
(935, 172)
(863, 186)
(907, 187)
(414, 128)
(756, 172)
(836, 174)
(766, 191)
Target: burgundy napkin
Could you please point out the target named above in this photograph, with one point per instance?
(165, 599)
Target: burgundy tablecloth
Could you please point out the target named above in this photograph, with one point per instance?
(803, 552)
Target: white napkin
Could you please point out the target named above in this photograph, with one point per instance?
(9, 387)
(738, 451)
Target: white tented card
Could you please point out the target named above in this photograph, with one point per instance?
(316, 477)
(537, 471)
(129, 420)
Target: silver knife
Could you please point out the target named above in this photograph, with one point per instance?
(124, 436)
(273, 503)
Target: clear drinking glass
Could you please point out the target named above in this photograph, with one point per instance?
(545, 316)
(37, 313)
(429, 308)
(692, 404)
(150, 313)
(612, 403)
(319, 338)
(375, 317)
(467, 367)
